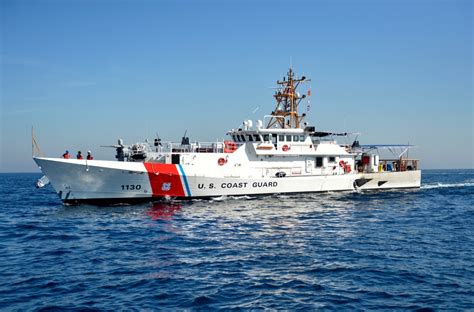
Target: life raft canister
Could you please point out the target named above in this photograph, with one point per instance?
(230, 146)
(345, 166)
(285, 148)
(221, 161)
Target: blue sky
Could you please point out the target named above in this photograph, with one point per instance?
(85, 73)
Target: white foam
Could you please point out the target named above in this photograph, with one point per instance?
(447, 185)
(220, 198)
(231, 197)
(242, 197)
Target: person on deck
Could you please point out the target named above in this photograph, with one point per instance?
(79, 155)
(89, 155)
(66, 155)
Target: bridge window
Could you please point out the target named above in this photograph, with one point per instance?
(274, 138)
(250, 138)
(257, 137)
(302, 138)
(281, 138)
(266, 138)
(242, 137)
(288, 138)
(332, 159)
(296, 138)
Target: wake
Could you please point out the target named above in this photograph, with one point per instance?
(446, 185)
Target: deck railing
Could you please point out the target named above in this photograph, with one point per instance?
(195, 147)
(398, 164)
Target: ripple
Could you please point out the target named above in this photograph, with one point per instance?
(403, 250)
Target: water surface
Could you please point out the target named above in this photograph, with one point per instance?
(376, 250)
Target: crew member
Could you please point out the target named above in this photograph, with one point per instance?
(66, 155)
(89, 155)
(79, 155)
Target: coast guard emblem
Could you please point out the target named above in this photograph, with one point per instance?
(166, 187)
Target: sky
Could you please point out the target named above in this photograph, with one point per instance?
(85, 73)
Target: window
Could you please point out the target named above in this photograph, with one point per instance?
(274, 138)
(296, 138)
(281, 138)
(175, 158)
(266, 138)
(332, 159)
(302, 138)
(250, 138)
(319, 162)
(256, 137)
(242, 137)
(288, 138)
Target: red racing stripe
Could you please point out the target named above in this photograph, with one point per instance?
(164, 180)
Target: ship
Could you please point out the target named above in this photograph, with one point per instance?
(280, 154)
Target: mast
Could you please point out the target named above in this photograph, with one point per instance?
(286, 113)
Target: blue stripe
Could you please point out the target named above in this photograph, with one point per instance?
(185, 180)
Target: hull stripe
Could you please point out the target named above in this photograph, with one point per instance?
(185, 180)
(165, 180)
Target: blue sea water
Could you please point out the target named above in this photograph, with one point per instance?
(403, 250)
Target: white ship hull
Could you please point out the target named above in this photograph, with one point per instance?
(97, 181)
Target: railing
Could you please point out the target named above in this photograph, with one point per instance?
(389, 165)
(196, 147)
(398, 164)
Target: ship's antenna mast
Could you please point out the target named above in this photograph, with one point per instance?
(286, 113)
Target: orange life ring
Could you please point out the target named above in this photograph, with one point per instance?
(342, 164)
(221, 161)
(285, 148)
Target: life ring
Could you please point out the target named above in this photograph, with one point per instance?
(285, 148)
(342, 164)
(221, 161)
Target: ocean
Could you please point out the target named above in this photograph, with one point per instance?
(402, 250)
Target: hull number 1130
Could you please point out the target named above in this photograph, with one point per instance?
(131, 187)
